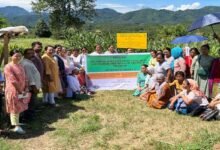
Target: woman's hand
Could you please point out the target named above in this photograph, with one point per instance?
(139, 88)
(171, 106)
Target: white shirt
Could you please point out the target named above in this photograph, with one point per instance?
(32, 73)
(73, 85)
(83, 59)
(169, 60)
(162, 68)
(110, 53)
(192, 96)
(95, 53)
(76, 59)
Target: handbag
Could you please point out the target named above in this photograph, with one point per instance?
(209, 115)
(201, 71)
(198, 111)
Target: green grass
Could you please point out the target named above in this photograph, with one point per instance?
(23, 43)
(116, 120)
(6, 146)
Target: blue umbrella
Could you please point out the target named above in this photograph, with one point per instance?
(206, 20)
(188, 39)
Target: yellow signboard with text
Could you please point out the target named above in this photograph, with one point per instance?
(132, 40)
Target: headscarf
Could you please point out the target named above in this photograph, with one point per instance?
(176, 52)
(195, 88)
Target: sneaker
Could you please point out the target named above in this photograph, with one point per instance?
(19, 130)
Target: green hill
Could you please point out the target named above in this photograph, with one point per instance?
(18, 16)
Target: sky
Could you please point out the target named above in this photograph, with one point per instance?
(124, 6)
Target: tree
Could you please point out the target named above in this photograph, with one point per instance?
(3, 22)
(65, 13)
(42, 29)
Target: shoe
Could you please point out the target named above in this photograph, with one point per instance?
(19, 130)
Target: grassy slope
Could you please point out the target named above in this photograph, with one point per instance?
(115, 120)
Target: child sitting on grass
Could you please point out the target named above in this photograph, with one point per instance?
(178, 82)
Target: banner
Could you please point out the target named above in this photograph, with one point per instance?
(114, 72)
(132, 40)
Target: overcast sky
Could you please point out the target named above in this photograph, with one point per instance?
(131, 5)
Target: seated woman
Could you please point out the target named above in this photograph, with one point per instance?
(142, 77)
(189, 99)
(85, 82)
(178, 82)
(73, 84)
(159, 97)
(215, 104)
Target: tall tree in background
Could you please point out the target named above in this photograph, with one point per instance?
(65, 13)
(42, 29)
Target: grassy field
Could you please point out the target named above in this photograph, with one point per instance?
(26, 42)
(113, 120)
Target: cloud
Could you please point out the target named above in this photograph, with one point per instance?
(121, 8)
(169, 7)
(182, 7)
(140, 5)
(26, 4)
(195, 5)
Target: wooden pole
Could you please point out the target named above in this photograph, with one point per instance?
(5, 47)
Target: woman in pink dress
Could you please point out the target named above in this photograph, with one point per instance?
(16, 87)
(179, 63)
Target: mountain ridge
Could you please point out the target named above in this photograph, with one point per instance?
(17, 16)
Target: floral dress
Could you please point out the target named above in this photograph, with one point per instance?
(14, 73)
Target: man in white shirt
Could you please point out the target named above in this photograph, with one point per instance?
(98, 50)
(111, 50)
(83, 56)
(34, 81)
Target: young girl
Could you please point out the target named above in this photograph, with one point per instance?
(178, 82)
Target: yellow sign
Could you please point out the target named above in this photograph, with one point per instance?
(132, 40)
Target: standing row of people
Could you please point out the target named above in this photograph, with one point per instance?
(54, 72)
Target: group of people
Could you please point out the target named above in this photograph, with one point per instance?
(181, 79)
(57, 71)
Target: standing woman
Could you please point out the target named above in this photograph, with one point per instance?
(51, 76)
(163, 67)
(202, 68)
(214, 78)
(153, 60)
(179, 63)
(16, 85)
(194, 53)
(167, 53)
